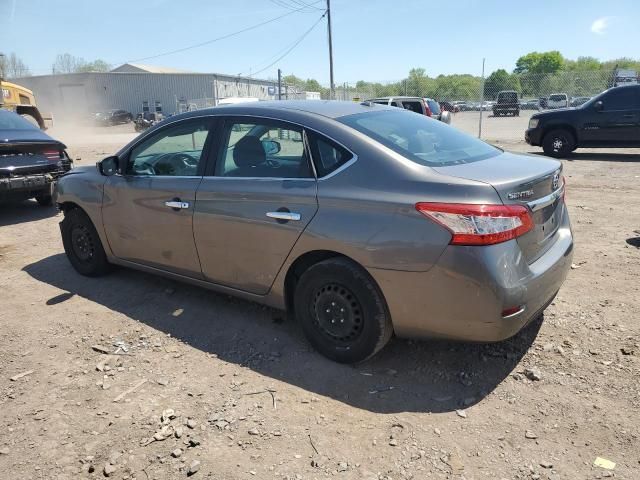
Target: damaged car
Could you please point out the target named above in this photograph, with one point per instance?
(30, 160)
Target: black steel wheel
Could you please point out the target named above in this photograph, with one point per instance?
(558, 143)
(82, 244)
(342, 311)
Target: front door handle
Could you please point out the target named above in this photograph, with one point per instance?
(286, 216)
(176, 204)
(628, 115)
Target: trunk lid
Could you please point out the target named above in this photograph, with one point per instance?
(24, 152)
(528, 180)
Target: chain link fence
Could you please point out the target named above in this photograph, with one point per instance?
(496, 108)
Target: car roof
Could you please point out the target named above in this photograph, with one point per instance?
(326, 108)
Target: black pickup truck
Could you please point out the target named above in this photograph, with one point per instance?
(30, 160)
(609, 120)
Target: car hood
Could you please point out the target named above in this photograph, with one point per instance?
(26, 136)
(555, 112)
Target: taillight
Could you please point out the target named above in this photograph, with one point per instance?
(472, 224)
(53, 155)
(426, 108)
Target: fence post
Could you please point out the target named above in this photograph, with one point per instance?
(481, 101)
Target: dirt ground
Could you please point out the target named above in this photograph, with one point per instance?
(192, 376)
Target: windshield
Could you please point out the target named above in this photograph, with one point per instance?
(557, 98)
(13, 121)
(419, 138)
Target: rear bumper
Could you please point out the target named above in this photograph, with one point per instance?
(463, 296)
(26, 186)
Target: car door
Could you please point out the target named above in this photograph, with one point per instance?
(617, 121)
(148, 209)
(254, 203)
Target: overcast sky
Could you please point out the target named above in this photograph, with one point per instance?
(373, 39)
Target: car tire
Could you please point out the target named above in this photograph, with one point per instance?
(558, 143)
(82, 244)
(44, 199)
(342, 311)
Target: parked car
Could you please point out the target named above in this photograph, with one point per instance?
(542, 101)
(577, 101)
(463, 106)
(449, 107)
(436, 111)
(30, 160)
(506, 104)
(423, 106)
(611, 119)
(381, 221)
(558, 100)
(147, 120)
(531, 104)
(113, 117)
(414, 104)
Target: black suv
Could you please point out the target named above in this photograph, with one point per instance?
(611, 119)
(506, 104)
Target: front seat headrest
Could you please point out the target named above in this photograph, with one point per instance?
(249, 152)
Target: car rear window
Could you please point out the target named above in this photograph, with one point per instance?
(505, 97)
(419, 138)
(557, 98)
(13, 121)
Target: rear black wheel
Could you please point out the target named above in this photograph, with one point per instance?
(82, 244)
(558, 143)
(342, 311)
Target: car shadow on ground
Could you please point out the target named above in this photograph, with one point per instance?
(598, 156)
(634, 241)
(407, 376)
(12, 213)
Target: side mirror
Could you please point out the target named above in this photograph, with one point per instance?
(445, 117)
(598, 106)
(271, 147)
(108, 166)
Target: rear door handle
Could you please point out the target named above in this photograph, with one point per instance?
(176, 204)
(628, 115)
(284, 216)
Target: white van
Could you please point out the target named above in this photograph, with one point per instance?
(558, 100)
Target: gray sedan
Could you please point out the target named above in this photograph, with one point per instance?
(361, 220)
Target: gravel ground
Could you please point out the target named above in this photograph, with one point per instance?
(196, 383)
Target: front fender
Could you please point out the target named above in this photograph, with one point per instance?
(83, 187)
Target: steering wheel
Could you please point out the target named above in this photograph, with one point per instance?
(177, 161)
(145, 166)
(273, 163)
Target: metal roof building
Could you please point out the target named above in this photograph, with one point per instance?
(138, 88)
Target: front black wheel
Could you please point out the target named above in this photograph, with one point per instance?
(342, 311)
(44, 199)
(558, 143)
(82, 244)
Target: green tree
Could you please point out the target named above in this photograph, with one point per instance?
(545, 62)
(95, 66)
(500, 80)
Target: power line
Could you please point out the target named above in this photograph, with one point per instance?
(292, 47)
(229, 35)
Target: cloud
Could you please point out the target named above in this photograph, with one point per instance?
(600, 25)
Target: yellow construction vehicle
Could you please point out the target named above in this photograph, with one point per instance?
(20, 100)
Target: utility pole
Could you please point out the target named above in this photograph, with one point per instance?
(481, 102)
(331, 84)
(279, 84)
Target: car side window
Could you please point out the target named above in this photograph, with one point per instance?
(621, 99)
(328, 156)
(414, 106)
(263, 149)
(173, 151)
